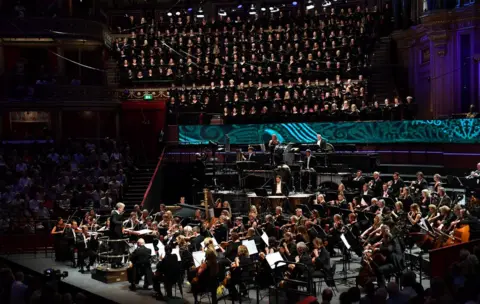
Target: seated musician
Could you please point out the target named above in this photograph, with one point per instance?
(321, 259)
(445, 200)
(206, 277)
(359, 179)
(220, 229)
(166, 221)
(302, 234)
(437, 179)
(198, 217)
(445, 219)
(373, 233)
(425, 200)
(250, 156)
(300, 218)
(90, 215)
(287, 247)
(291, 225)
(366, 191)
(462, 217)
(311, 230)
(391, 250)
(380, 207)
(354, 225)
(396, 184)
(168, 271)
(406, 198)
(373, 206)
(253, 210)
(70, 234)
(252, 220)
(137, 210)
(279, 219)
(269, 226)
(414, 216)
(386, 192)
(238, 272)
(341, 202)
(399, 214)
(144, 216)
(83, 242)
(163, 209)
(232, 248)
(315, 217)
(196, 239)
(238, 226)
(334, 233)
(320, 200)
(131, 222)
(432, 214)
(140, 266)
(475, 173)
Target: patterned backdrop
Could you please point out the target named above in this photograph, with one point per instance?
(416, 131)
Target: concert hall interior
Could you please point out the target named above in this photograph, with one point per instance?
(180, 151)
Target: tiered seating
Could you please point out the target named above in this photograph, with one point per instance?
(285, 66)
(39, 180)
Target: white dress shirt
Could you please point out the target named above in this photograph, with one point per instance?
(308, 162)
(279, 188)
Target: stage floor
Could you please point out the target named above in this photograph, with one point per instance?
(119, 292)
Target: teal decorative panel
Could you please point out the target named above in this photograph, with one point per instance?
(416, 131)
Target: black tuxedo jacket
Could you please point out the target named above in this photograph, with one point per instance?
(396, 187)
(284, 192)
(377, 187)
(116, 225)
(195, 243)
(312, 164)
(323, 144)
(250, 157)
(141, 256)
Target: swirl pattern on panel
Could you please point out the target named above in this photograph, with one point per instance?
(416, 131)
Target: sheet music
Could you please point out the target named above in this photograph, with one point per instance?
(250, 244)
(198, 257)
(144, 231)
(265, 238)
(161, 249)
(176, 251)
(344, 240)
(150, 246)
(215, 243)
(272, 258)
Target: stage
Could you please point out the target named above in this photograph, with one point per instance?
(119, 292)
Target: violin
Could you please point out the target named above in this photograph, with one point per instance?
(200, 270)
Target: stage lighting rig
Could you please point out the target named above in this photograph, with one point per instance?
(310, 5)
(252, 10)
(200, 13)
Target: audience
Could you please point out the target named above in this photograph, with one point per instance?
(268, 67)
(35, 183)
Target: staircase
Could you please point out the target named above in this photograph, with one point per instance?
(112, 72)
(139, 182)
(382, 82)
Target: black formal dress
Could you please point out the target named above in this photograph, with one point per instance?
(169, 271)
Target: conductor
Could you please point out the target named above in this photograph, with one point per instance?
(116, 233)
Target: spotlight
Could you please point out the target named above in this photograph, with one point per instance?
(294, 3)
(310, 5)
(221, 12)
(326, 3)
(200, 13)
(177, 13)
(252, 10)
(239, 6)
(169, 14)
(189, 9)
(274, 9)
(263, 9)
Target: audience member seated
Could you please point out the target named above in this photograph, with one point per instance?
(38, 181)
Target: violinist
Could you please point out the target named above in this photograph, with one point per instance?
(269, 226)
(238, 271)
(238, 227)
(287, 247)
(302, 234)
(86, 246)
(390, 248)
(353, 225)
(320, 200)
(106, 227)
(89, 216)
(380, 207)
(300, 218)
(399, 216)
(374, 232)
(206, 277)
(291, 225)
(315, 217)
(252, 220)
(166, 221)
(196, 239)
(71, 233)
(311, 230)
(334, 233)
(59, 246)
(168, 271)
(137, 210)
(279, 219)
(220, 229)
(232, 248)
(321, 259)
(144, 216)
(373, 207)
(132, 223)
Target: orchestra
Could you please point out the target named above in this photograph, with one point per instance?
(378, 219)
